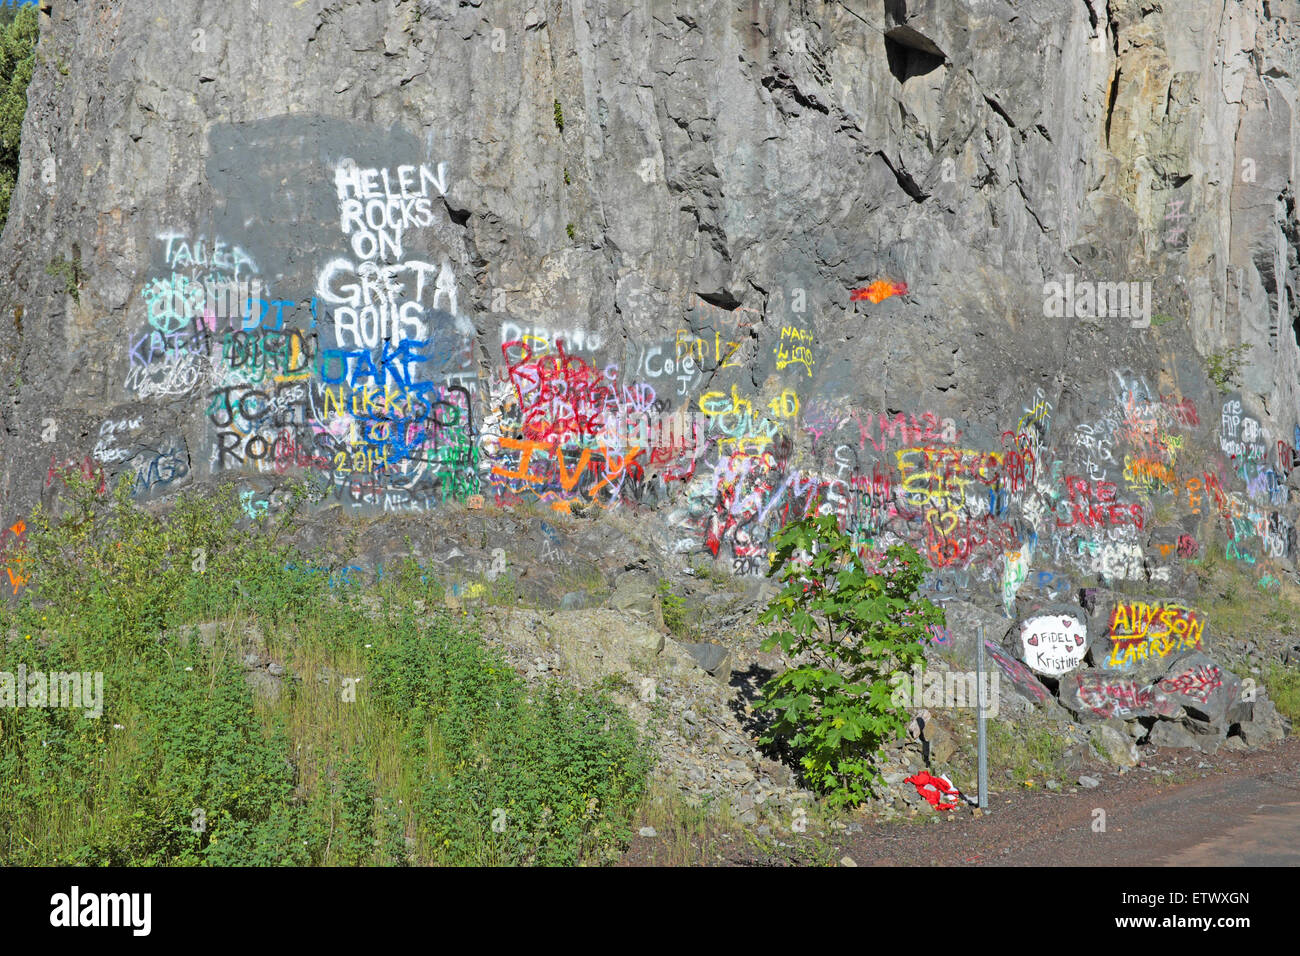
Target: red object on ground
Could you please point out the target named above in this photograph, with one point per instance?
(934, 789)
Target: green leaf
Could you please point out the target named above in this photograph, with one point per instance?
(860, 628)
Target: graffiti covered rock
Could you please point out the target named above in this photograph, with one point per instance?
(1053, 644)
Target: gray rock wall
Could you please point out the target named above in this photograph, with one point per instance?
(949, 269)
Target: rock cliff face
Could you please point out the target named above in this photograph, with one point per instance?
(952, 269)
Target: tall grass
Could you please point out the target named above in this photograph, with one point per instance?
(1029, 751)
(398, 737)
(1284, 688)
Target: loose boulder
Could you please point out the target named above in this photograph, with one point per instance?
(714, 659)
(1054, 640)
(1169, 734)
(1141, 638)
(1113, 746)
(1094, 694)
(1203, 688)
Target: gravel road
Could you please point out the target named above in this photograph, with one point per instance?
(1230, 809)
(1179, 808)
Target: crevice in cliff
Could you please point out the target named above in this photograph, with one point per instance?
(1110, 102)
(905, 181)
(1113, 94)
(458, 216)
(997, 108)
(910, 54)
(781, 81)
(1291, 233)
(1279, 273)
(723, 300)
(1028, 207)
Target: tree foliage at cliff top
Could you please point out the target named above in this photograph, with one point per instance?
(17, 55)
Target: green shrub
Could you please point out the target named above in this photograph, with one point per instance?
(1283, 685)
(1027, 751)
(355, 828)
(851, 630)
(1224, 368)
(203, 783)
(559, 772)
(705, 571)
(18, 41)
(70, 271)
(128, 573)
(393, 837)
(438, 733)
(674, 611)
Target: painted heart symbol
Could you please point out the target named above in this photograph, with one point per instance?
(945, 525)
(1033, 641)
(1067, 623)
(1078, 640)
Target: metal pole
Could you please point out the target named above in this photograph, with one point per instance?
(983, 736)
